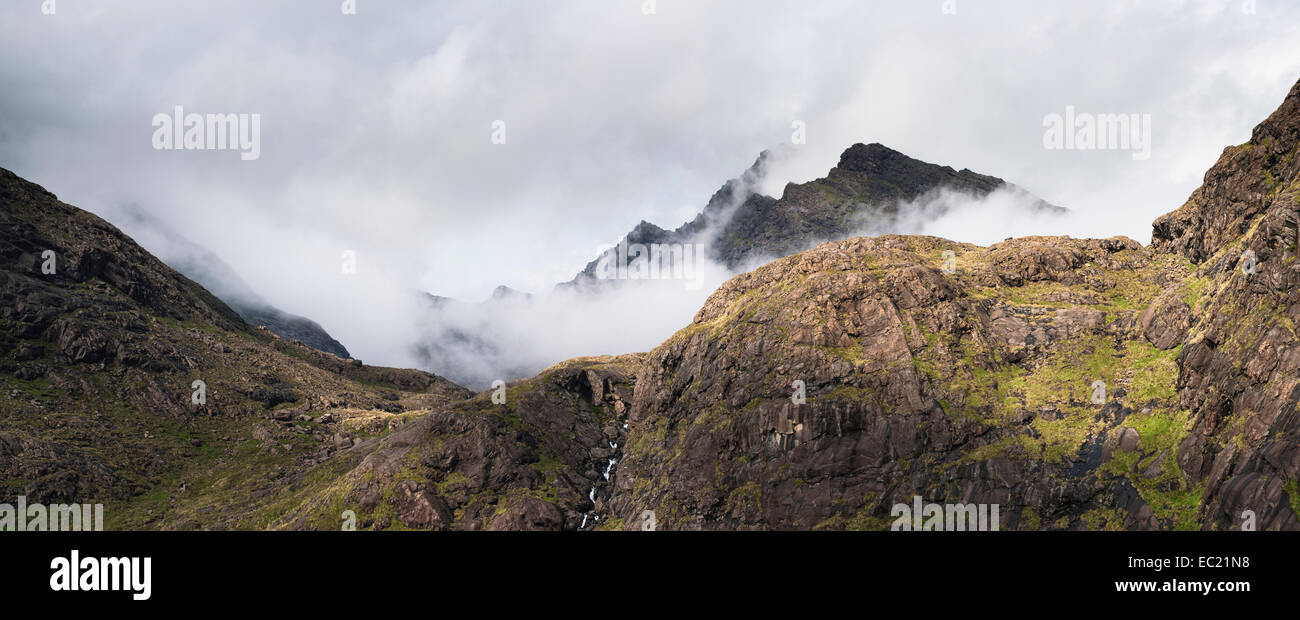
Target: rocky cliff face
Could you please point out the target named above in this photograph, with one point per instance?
(970, 387)
(1240, 358)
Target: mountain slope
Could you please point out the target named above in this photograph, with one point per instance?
(205, 268)
(100, 346)
(538, 460)
(290, 326)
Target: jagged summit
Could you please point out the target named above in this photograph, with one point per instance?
(881, 164)
(874, 190)
(741, 226)
(861, 156)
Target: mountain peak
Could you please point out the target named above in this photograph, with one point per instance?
(504, 292)
(867, 157)
(740, 224)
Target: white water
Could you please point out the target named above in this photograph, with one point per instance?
(591, 495)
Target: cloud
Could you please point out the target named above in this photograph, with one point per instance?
(376, 128)
(475, 344)
(1008, 211)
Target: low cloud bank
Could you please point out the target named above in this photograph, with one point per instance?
(513, 336)
(1009, 211)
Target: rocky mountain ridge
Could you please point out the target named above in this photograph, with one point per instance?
(866, 189)
(1077, 384)
(872, 190)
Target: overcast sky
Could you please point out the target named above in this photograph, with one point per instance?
(376, 128)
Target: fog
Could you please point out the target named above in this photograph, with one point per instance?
(476, 344)
(378, 131)
(514, 335)
(1009, 211)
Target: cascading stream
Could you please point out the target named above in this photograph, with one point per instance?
(591, 516)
